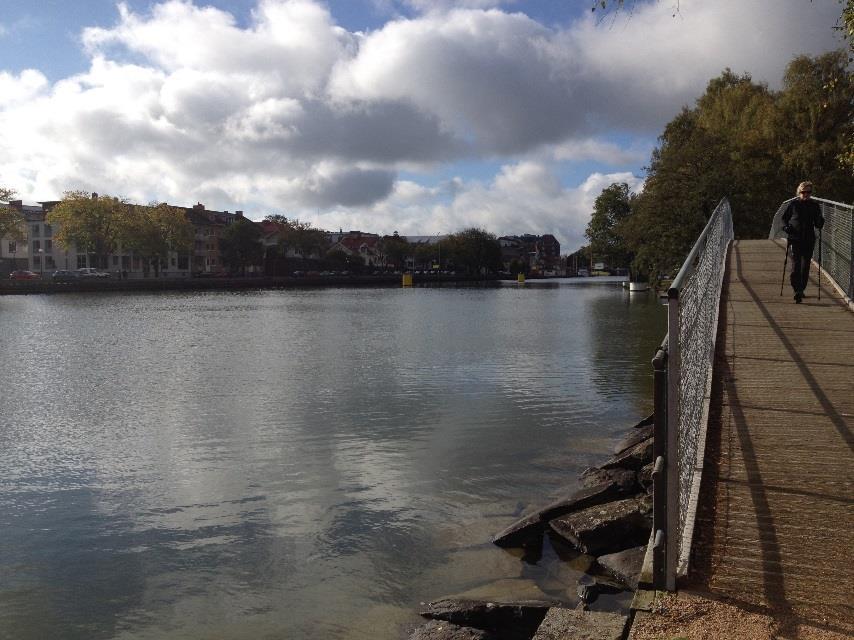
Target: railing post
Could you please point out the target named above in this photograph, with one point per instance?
(659, 478)
(674, 366)
(851, 260)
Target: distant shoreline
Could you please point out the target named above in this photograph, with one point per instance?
(24, 287)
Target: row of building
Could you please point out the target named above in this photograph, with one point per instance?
(38, 252)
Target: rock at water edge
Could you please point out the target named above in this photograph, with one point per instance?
(562, 624)
(634, 437)
(520, 618)
(605, 528)
(625, 479)
(531, 527)
(441, 630)
(650, 419)
(625, 566)
(633, 458)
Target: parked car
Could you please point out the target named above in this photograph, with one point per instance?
(23, 274)
(91, 272)
(63, 275)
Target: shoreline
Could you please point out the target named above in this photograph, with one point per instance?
(24, 287)
(608, 520)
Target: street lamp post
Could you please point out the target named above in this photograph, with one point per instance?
(41, 263)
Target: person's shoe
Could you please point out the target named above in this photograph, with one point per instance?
(798, 297)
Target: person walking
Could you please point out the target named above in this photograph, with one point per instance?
(800, 220)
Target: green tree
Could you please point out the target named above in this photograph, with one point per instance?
(474, 250)
(426, 254)
(395, 250)
(742, 141)
(12, 223)
(816, 124)
(606, 227)
(152, 231)
(300, 237)
(677, 198)
(240, 245)
(90, 222)
(845, 24)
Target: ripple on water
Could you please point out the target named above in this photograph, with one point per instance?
(296, 463)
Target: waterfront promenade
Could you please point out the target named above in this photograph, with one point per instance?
(775, 524)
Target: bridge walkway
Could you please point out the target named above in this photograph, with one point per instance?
(775, 523)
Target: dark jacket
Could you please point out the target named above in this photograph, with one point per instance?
(801, 218)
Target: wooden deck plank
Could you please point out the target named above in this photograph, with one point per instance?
(775, 523)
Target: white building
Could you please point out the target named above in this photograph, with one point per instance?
(38, 252)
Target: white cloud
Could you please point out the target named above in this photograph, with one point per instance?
(642, 68)
(294, 113)
(22, 88)
(525, 197)
(487, 75)
(601, 151)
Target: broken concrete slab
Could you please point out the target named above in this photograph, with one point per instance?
(532, 526)
(634, 437)
(650, 419)
(562, 624)
(624, 565)
(604, 528)
(633, 458)
(515, 618)
(441, 630)
(625, 479)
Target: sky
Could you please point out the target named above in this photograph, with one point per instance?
(417, 116)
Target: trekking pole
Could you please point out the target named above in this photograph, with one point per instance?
(785, 261)
(819, 263)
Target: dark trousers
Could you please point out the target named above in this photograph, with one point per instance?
(801, 257)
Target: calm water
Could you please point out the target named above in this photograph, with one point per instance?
(297, 464)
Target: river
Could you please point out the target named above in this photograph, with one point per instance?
(297, 463)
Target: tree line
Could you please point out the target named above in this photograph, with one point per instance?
(100, 225)
(471, 250)
(741, 141)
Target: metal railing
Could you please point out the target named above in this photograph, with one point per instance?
(837, 242)
(683, 379)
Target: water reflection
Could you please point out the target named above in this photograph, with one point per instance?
(294, 463)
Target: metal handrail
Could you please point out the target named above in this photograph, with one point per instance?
(682, 369)
(659, 475)
(683, 377)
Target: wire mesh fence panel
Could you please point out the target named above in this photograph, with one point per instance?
(695, 293)
(689, 350)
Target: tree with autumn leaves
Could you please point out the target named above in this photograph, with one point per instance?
(744, 142)
(152, 232)
(12, 223)
(101, 225)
